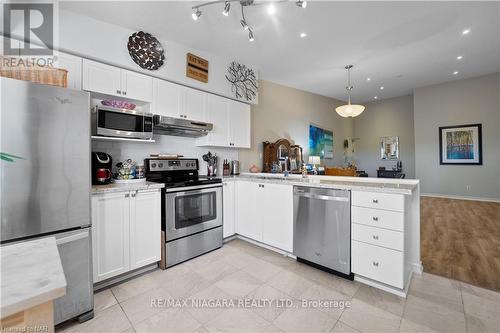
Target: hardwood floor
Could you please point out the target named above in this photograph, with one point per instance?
(460, 239)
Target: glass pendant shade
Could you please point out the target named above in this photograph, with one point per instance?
(350, 110)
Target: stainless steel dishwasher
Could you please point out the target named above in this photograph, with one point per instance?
(322, 228)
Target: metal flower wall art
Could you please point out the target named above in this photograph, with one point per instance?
(243, 80)
(146, 50)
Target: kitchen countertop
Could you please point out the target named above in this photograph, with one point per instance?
(125, 187)
(32, 274)
(383, 185)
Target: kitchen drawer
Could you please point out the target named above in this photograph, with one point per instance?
(378, 236)
(377, 263)
(395, 202)
(378, 218)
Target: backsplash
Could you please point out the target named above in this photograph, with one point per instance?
(120, 151)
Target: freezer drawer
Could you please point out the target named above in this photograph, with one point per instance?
(74, 249)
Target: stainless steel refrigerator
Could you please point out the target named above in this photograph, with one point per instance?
(45, 180)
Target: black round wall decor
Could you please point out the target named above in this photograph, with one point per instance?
(145, 50)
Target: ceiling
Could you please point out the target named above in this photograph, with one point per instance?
(398, 45)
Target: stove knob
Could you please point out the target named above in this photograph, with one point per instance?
(160, 165)
(153, 165)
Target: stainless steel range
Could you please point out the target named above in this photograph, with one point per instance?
(191, 208)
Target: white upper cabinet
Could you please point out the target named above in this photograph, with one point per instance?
(101, 78)
(231, 120)
(136, 86)
(167, 98)
(110, 80)
(194, 104)
(239, 124)
(73, 65)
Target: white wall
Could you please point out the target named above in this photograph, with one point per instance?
(461, 102)
(285, 112)
(390, 117)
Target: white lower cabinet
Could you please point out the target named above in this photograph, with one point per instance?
(228, 208)
(145, 226)
(264, 212)
(126, 231)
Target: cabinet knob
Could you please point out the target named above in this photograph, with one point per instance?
(127, 195)
(124, 92)
(375, 218)
(375, 263)
(133, 195)
(375, 200)
(375, 237)
(119, 92)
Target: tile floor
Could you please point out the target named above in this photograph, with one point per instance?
(242, 270)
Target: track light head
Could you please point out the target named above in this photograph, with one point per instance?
(302, 3)
(250, 35)
(227, 7)
(196, 15)
(244, 25)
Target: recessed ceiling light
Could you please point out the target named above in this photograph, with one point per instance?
(303, 35)
(376, 97)
(271, 10)
(382, 88)
(455, 72)
(368, 79)
(466, 31)
(460, 57)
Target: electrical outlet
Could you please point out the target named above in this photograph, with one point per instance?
(468, 187)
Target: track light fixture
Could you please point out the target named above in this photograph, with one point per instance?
(243, 3)
(196, 15)
(250, 35)
(227, 7)
(302, 3)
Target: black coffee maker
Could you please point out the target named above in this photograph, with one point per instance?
(101, 168)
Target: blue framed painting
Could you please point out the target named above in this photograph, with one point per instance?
(320, 142)
(461, 145)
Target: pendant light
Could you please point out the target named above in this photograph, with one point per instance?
(349, 110)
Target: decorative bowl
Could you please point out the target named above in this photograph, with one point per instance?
(118, 104)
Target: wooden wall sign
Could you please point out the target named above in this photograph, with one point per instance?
(197, 68)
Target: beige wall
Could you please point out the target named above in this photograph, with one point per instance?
(461, 102)
(285, 112)
(390, 117)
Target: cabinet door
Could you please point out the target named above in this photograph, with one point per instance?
(110, 234)
(136, 86)
(167, 98)
(239, 124)
(101, 78)
(228, 213)
(248, 220)
(73, 65)
(276, 203)
(217, 111)
(194, 104)
(145, 228)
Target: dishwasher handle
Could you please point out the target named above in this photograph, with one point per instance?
(320, 197)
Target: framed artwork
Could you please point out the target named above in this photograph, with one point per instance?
(461, 145)
(320, 142)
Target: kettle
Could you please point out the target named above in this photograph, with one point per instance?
(235, 167)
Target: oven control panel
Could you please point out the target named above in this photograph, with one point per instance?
(172, 165)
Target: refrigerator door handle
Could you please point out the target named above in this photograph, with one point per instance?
(83, 234)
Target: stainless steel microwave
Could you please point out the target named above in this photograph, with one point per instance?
(121, 123)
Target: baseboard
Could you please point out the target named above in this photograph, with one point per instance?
(381, 286)
(268, 247)
(458, 197)
(417, 268)
(124, 277)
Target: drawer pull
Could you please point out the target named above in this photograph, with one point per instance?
(375, 237)
(375, 201)
(375, 263)
(375, 218)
